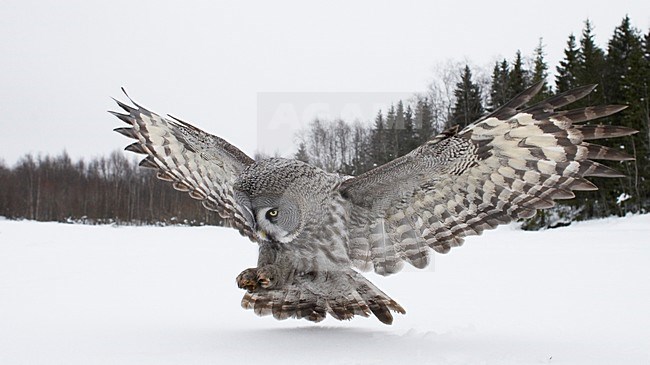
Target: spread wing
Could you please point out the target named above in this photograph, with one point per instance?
(503, 167)
(194, 161)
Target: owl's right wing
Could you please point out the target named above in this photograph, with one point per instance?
(502, 167)
(194, 161)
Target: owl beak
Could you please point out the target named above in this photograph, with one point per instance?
(262, 235)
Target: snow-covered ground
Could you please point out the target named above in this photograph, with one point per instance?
(72, 294)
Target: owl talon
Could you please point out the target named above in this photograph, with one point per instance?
(266, 276)
(249, 285)
(248, 279)
(265, 283)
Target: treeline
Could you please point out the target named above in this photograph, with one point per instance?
(101, 190)
(457, 97)
(352, 149)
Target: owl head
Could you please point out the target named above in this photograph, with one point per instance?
(276, 218)
(279, 196)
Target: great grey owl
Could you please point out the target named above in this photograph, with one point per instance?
(315, 228)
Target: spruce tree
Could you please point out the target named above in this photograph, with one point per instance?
(499, 86)
(568, 69)
(423, 121)
(591, 70)
(622, 49)
(378, 150)
(539, 72)
(302, 154)
(398, 130)
(391, 132)
(518, 77)
(409, 138)
(399, 115)
(468, 107)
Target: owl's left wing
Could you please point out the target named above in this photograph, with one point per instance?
(500, 168)
(194, 161)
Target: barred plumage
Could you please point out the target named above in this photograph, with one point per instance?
(314, 227)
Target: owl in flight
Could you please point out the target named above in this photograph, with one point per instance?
(316, 230)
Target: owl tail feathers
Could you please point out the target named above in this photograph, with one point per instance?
(371, 298)
(342, 294)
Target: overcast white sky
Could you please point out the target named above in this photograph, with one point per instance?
(206, 62)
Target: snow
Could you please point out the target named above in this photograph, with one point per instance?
(74, 294)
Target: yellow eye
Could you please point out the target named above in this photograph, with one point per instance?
(272, 213)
